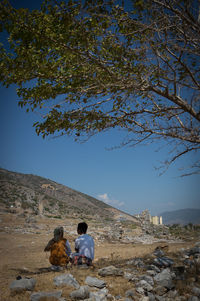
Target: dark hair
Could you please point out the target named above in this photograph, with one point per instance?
(82, 227)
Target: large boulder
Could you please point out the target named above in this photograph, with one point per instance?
(164, 278)
(66, 279)
(24, 284)
(81, 293)
(46, 295)
(93, 281)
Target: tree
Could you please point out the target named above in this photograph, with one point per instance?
(93, 66)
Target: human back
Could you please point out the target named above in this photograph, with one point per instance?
(59, 248)
(84, 247)
(58, 254)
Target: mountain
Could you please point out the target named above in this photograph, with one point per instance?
(182, 217)
(31, 194)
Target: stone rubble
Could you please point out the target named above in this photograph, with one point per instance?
(152, 284)
(147, 234)
(158, 281)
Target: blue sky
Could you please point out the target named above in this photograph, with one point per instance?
(125, 178)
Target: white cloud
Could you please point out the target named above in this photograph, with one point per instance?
(171, 204)
(106, 199)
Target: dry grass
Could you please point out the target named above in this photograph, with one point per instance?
(22, 254)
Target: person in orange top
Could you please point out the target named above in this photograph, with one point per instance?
(59, 248)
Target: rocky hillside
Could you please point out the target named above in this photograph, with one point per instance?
(182, 217)
(31, 194)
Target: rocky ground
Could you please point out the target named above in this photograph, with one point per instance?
(130, 263)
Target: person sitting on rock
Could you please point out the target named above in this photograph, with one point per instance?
(59, 248)
(84, 247)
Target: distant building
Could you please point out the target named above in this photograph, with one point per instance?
(156, 220)
(146, 218)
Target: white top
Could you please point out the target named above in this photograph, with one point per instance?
(85, 246)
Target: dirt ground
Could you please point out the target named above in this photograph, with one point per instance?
(22, 254)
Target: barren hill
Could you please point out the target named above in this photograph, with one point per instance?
(182, 217)
(31, 194)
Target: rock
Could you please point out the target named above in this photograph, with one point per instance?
(196, 291)
(179, 272)
(193, 298)
(188, 262)
(160, 298)
(57, 268)
(160, 290)
(181, 298)
(110, 271)
(100, 295)
(129, 294)
(24, 284)
(172, 294)
(81, 293)
(130, 262)
(92, 281)
(110, 297)
(194, 250)
(140, 290)
(164, 279)
(163, 261)
(145, 285)
(158, 252)
(151, 273)
(128, 276)
(147, 278)
(67, 279)
(151, 296)
(45, 295)
(30, 219)
(197, 258)
(154, 268)
(145, 298)
(138, 262)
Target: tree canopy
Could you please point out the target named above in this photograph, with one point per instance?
(93, 65)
